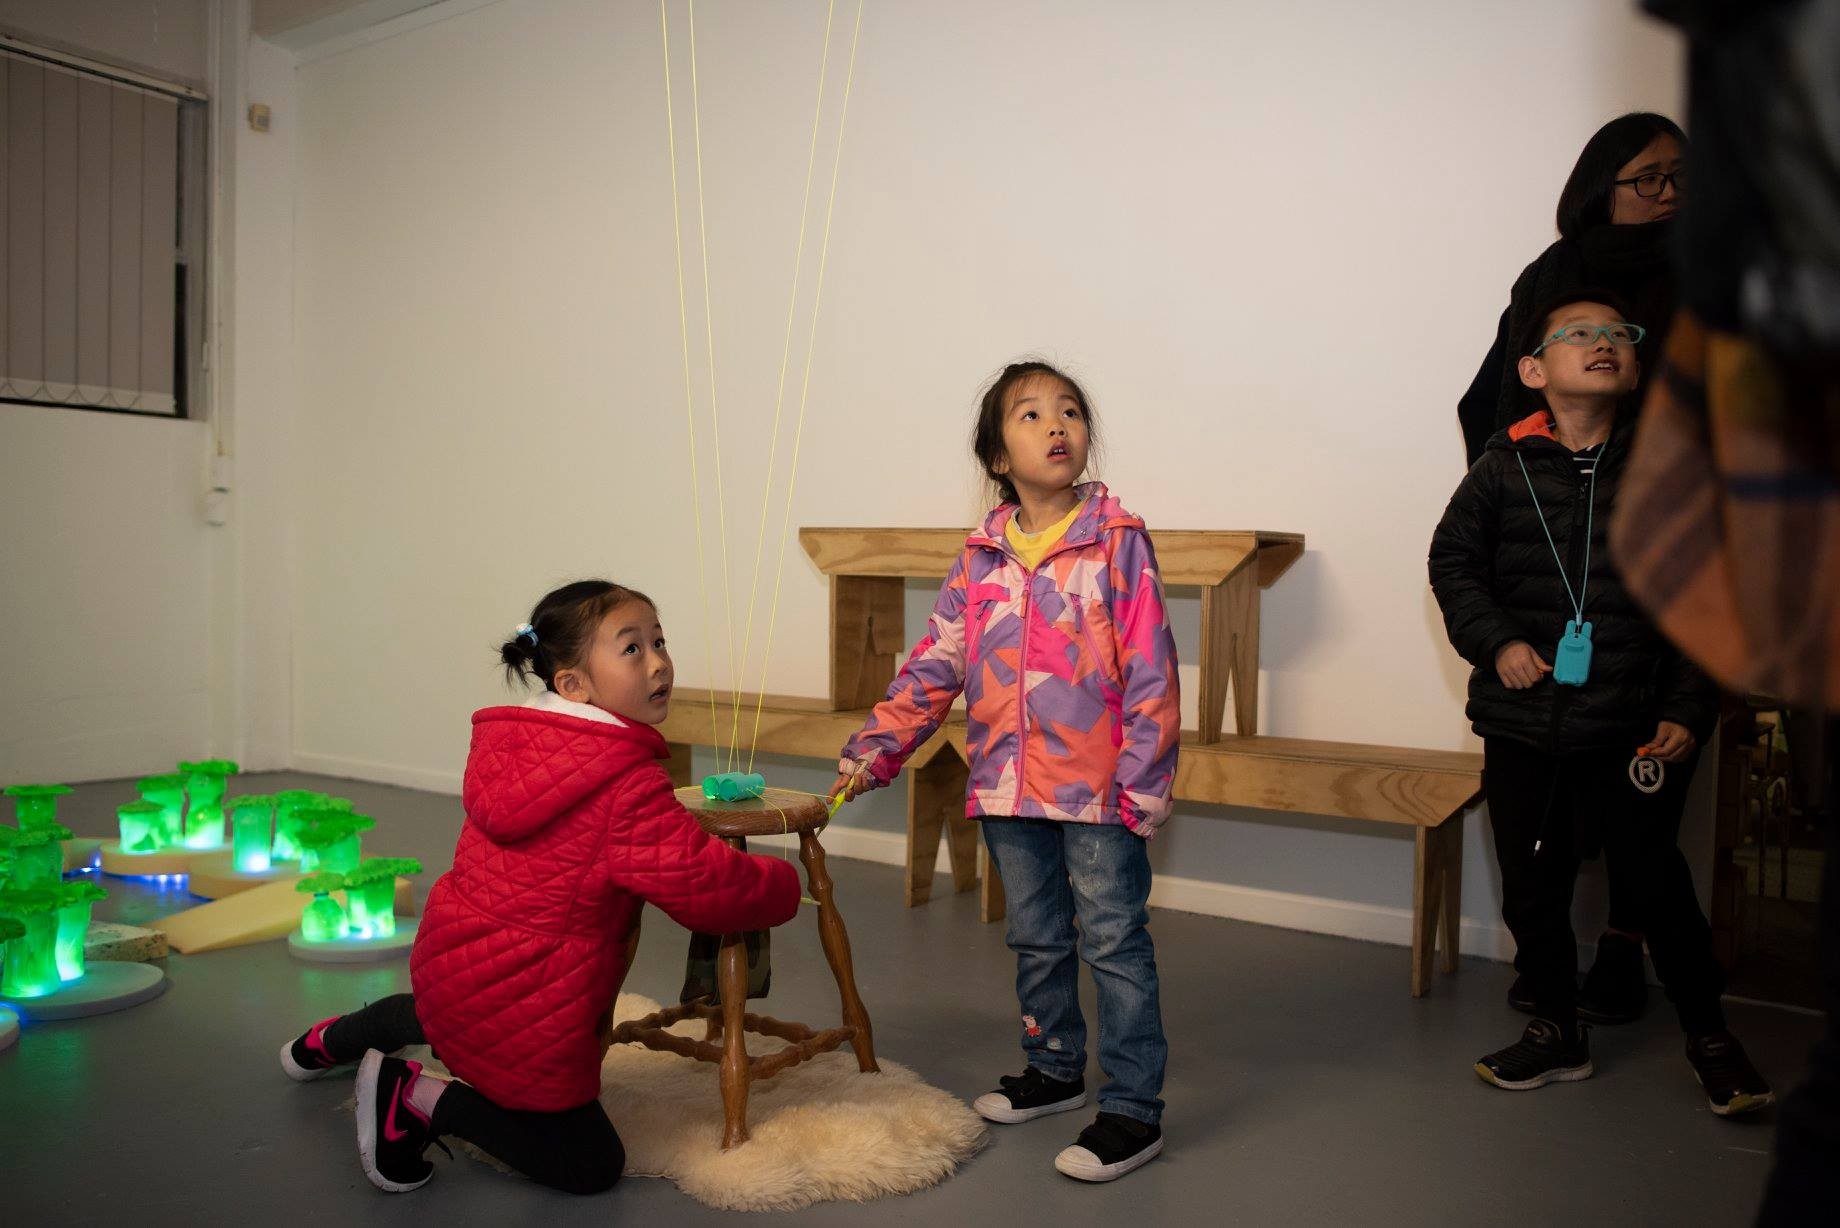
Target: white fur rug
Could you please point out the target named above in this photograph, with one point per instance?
(818, 1132)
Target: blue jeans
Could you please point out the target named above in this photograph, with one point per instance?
(1099, 873)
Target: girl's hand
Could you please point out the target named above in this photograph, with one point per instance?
(1520, 666)
(1672, 743)
(851, 785)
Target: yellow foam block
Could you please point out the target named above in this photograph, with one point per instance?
(261, 914)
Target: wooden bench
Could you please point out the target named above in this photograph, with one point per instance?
(868, 570)
(1423, 789)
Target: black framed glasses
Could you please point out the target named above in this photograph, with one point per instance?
(1655, 183)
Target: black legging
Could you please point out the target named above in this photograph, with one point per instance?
(576, 1150)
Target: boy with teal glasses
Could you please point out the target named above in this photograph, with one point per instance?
(1591, 722)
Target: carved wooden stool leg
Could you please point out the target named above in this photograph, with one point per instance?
(837, 951)
(731, 973)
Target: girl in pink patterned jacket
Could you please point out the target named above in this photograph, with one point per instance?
(1052, 625)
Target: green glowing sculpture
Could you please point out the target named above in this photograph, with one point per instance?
(370, 895)
(140, 826)
(36, 805)
(329, 839)
(9, 930)
(733, 786)
(205, 781)
(38, 855)
(288, 805)
(252, 826)
(323, 920)
(168, 793)
(75, 902)
(31, 969)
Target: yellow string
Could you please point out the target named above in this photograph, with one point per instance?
(683, 328)
(811, 344)
(715, 419)
(785, 359)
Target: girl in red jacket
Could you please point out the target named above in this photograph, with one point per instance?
(571, 827)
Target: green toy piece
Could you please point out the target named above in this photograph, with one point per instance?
(329, 839)
(323, 920)
(168, 793)
(35, 805)
(252, 833)
(140, 826)
(733, 786)
(38, 855)
(75, 903)
(31, 969)
(289, 803)
(205, 782)
(370, 895)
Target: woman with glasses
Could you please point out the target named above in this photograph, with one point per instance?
(1613, 233)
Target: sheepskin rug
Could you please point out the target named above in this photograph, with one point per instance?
(821, 1131)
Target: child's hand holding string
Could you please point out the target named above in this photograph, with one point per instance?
(851, 785)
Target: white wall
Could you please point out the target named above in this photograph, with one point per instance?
(1272, 238)
(138, 634)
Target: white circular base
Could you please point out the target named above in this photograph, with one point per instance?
(167, 863)
(104, 988)
(355, 950)
(9, 1029)
(214, 875)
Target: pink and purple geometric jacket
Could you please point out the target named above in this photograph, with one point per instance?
(1073, 710)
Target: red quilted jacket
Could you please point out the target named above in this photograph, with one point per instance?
(570, 826)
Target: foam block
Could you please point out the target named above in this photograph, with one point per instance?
(261, 914)
(113, 943)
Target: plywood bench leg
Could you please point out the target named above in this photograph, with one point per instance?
(1230, 653)
(935, 796)
(868, 634)
(1425, 881)
(679, 764)
(1450, 894)
(991, 902)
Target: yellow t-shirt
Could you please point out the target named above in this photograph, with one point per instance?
(1031, 547)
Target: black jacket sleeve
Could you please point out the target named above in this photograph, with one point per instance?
(1688, 697)
(1462, 562)
(1478, 409)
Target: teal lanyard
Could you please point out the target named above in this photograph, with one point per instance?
(1577, 598)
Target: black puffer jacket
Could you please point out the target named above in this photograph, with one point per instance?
(1496, 581)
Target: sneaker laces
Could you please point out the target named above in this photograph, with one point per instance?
(1720, 1056)
(1534, 1050)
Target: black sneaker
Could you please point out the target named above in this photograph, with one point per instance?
(1615, 990)
(392, 1133)
(1029, 1095)
(1520, 997)
(306, 1057)
(1539, 1057)
(1111, 1147)
(1732, 1084)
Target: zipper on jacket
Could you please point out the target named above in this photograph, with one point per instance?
(1022, 688)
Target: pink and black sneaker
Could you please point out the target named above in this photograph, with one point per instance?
(392, 1132)
(306, 1057)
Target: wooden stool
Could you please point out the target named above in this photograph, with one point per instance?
(779, 812)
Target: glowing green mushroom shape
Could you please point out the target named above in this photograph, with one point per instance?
(75, 903)
(370, 894)
(252, 833)
(9, 930)
(329, 839)
(38, 855)
(31, 969)
(289, 803)
(168, 793)
(323, 920)
(140, 826)
(205, 782)
(35, 805)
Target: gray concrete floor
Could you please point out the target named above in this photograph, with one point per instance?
(1305, 1085)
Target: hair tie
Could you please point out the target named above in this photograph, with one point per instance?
(527, 632)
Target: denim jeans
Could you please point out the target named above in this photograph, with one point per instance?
(1054, 873)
